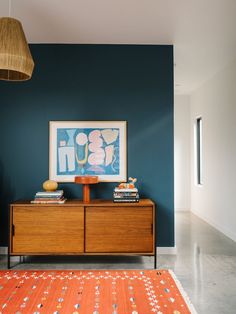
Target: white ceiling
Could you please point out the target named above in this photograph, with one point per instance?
(203, 32)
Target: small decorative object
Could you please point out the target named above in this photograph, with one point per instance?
(126, 192)
(87, 148)
(50, 185)
(129, 185)
(86, 181)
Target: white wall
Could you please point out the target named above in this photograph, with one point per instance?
(182, 152)
(215, 201)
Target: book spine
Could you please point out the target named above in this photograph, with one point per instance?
(48, 202)
(48, 196)
(44, 199)
(125, 200)
(56, 193)
(125, 190)
(125, 194)
(126, 197)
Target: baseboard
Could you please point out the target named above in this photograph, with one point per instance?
(3, 250)
(225, 231)
(170, 250)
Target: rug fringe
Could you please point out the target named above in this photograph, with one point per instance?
(183, 293)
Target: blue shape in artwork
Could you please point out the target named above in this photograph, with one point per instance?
(67, 137)
(71, 133)
(80, 151)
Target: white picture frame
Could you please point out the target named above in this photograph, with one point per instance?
(88, 148)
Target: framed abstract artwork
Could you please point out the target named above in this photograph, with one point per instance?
(88, 148)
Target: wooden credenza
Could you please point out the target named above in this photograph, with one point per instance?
(75, 228)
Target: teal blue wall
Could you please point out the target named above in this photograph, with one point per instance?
(91, 82)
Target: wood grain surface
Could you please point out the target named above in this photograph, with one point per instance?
(100, 227)
(52, 229)
(119, 229)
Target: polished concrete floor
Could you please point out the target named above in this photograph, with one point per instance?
(205, 264)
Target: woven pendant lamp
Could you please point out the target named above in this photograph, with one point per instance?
(16, 63)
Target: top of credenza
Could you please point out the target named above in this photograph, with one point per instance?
(93, 203)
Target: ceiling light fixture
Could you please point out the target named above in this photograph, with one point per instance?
(16, 63)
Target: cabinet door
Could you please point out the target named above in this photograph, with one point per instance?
(49, 230)
(119, 229)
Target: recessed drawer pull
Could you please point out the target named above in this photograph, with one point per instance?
(13, 230)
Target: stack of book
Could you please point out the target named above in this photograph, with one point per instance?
(53, 197)
(125, 195)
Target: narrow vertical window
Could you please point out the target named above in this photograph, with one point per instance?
(199, 150)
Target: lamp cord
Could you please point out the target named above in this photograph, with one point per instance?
(9, 13)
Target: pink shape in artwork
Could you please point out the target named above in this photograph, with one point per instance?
(97, 158)
(96, 145)
(94, 136)
(98, 154)
(109, 154)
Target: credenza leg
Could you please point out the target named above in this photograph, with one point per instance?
(8, 260)
(155, 254)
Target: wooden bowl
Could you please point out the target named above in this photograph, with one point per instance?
(86, 179)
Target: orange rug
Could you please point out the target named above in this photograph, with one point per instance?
(92, 292)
